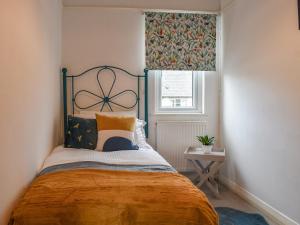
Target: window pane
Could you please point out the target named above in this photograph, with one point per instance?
(177, 89)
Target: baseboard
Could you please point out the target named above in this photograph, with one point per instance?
(256, 202)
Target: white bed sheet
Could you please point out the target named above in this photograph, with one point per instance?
(143, 156)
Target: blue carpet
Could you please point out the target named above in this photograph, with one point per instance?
(229, 216)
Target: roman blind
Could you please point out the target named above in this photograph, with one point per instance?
(180, 41)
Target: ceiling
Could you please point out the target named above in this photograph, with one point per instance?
(188, 5)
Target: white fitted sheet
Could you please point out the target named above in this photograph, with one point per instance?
(143, 156)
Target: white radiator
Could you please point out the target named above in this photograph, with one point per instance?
(173, 137)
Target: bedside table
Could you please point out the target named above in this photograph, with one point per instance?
(215, 161)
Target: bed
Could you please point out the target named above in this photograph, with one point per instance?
(85, 187)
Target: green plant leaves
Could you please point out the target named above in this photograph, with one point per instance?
(206, 140)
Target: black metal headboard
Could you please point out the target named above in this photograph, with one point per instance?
(104, 99)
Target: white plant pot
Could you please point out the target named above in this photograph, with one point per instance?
(207, 148)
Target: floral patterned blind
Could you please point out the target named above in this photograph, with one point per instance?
(180, 41)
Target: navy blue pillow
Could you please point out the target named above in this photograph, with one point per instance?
(118, 144)
(82, 133)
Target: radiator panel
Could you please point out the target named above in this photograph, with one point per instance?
(173, 137)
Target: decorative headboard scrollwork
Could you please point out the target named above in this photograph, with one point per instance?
(102, 98)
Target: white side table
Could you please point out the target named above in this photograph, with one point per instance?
(215, 161)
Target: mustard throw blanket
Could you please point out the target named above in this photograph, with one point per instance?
(103, 197)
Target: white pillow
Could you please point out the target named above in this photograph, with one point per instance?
(139, 133)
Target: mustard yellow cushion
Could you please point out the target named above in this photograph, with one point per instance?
(115, 122)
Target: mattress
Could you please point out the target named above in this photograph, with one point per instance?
(144, 159)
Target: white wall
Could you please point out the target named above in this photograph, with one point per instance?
(261, 100)
(107, 36)
(103, 36)
(29, 93)
(202, 5)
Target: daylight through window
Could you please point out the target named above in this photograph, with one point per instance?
(179, 90)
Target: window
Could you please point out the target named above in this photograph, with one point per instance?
(179, 91)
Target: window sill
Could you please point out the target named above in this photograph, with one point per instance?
(179, 113)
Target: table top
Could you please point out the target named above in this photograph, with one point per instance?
(217, 154)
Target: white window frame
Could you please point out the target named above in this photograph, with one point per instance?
(198, 95)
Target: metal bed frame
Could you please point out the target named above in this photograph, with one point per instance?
(103, 98)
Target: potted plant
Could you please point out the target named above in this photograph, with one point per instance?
(207, 143)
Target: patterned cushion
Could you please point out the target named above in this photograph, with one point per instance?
(82, 133)
(115, 133)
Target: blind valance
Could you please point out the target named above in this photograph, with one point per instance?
(180, 41)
